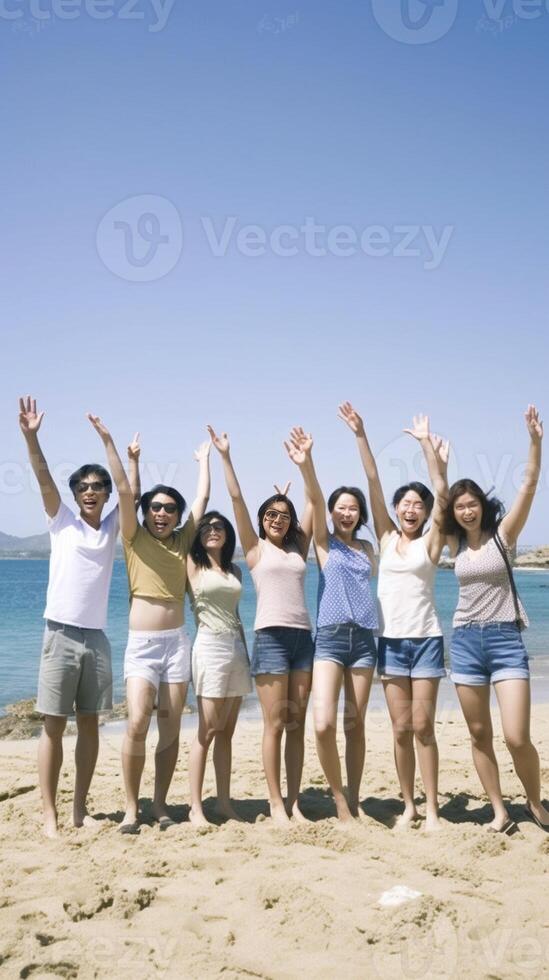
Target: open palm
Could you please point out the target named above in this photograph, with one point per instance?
(99, 426)
(203, 450)
(30, 419)
(420, 427)
(220, 442)
(534, 423)
(350, 416)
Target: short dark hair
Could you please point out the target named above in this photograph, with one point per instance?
(421, 490)
(83, 471)
(197, 550)
(147, 498)
(357, 493)
(492, 509)
(295, 535)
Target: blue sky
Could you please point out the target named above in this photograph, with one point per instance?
(133, 142)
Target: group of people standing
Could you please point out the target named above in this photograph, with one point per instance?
(167, 557)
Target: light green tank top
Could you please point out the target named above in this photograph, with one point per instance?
(215, 598)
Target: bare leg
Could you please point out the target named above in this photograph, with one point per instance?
(424, 695)
(140, 696)
(208, 718)
(358, 681)
(272, 690)
(50, 760)
(327, 678)
(85, 757)
(475, 704)
(299, 687)
(222, 757)
(398, 693)
(171, 698)
(514, 704)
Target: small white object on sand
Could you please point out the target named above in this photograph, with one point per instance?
(397, 896)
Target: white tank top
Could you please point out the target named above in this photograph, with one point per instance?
(405, 591)
(279, 579)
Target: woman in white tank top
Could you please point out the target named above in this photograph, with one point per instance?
(282, 658)
(410, 648)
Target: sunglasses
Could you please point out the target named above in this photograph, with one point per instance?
(214, 526)
(273, 515)
(95, 486)
(156, 507)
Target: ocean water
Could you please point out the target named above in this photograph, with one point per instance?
(22, 599)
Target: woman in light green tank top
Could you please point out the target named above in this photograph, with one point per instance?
(220, 669)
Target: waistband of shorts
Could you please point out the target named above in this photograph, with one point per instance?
(54, 626)
(156, 634)
(206, 631)
(487, 624)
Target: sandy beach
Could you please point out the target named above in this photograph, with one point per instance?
(252, 900)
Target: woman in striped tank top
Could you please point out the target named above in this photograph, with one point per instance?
(345, 650)
(486, 643)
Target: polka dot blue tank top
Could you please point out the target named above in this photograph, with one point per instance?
(344, 592)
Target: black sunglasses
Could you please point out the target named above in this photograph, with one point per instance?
(156, 507)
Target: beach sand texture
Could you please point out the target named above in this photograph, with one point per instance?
(251, 900)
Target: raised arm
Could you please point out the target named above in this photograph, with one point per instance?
(436, 452)
(299, 448)
(200, 502)
(246, 531)
(128, 517)
(30, 421)
(513, 522)
(383, 522)
(134, 452)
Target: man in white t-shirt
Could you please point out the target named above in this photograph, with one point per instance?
(75, 666)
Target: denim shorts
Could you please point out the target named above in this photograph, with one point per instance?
(411, 657)
(346, 644)
(280, 649)
(484, 652)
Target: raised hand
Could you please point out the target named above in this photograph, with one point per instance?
(299, 445)
(221, 442)
(134, 449)
(203, 450)
(420, 427)
(99, 427)
(285, 490)
(29, 419)
(534, 423)
(350, 416)
(441, 449)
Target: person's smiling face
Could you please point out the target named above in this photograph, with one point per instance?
(162, 517)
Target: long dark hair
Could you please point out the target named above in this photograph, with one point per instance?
(422, 491)
(492, 509)
(197, 550)
(177, 498)
(295, 535)
(357, 493)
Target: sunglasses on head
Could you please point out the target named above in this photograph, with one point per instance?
(96, 486)
(156, 507)
(214, 526)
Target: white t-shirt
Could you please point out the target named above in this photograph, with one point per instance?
(80, 569)
(405, 591)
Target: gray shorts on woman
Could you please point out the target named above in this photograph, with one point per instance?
(75, 671)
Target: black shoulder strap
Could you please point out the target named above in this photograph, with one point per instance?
(501, 548)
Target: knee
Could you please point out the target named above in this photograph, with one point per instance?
(206, 735)
(518, 742)
(354, 732)
(275, 727)
(137, 728)
(424, 731)
(324, 729)
(402, 734)
(481, 734)
(54, 727)
(87, 724)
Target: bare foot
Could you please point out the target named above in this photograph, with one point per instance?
(226, 811)
(160, 812)
(407, 819)
(49, 826)
(499, 821)
(343, 812)
(197, 818)
(279, 815)
(296, 814)
(81, 817)
(432, 823)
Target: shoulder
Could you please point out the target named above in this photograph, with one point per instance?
(387, 538)
(63, 518)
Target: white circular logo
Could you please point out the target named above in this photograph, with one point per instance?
(141, 238)
(415, 21)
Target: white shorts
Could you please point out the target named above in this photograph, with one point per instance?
(158, 656)
(220, 665)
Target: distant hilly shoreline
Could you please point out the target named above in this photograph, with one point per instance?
(38, 546)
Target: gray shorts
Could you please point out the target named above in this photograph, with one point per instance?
(75, 671)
